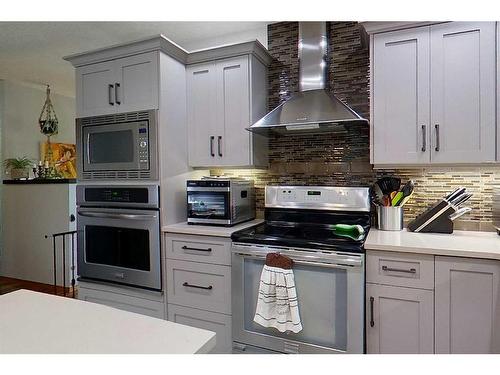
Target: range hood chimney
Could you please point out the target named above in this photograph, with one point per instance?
(314, 109)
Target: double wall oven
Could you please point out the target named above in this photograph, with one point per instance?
(119, 234)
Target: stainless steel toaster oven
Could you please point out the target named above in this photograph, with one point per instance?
(220, 201)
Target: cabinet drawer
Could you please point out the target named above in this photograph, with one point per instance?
(218, 323)
(156, 309)
(198, 285)
(216, 250)
(409, 270)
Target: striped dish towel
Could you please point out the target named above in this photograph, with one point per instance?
(277, 305)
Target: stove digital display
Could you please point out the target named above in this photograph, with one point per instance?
(312, 192)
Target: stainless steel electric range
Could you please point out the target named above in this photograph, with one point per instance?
(329, 268)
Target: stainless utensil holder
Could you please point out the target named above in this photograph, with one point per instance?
(390, 218)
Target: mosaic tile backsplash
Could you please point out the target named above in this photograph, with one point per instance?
(342, 158)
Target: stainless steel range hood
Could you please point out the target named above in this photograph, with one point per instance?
(314, 109)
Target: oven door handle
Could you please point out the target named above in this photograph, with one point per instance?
(117, 216)
(344, 263)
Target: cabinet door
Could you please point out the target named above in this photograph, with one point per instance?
(467, 305)
(401, 97)
(463, 92)
(399, 320)
(218, 323)
(95, 89)
(136, 86)
(233, 112)
(201, 114)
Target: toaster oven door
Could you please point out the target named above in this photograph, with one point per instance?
(210, 207)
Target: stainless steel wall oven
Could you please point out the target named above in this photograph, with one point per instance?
(119, 235)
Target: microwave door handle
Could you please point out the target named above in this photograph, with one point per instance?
(116, 216)
(88, 148)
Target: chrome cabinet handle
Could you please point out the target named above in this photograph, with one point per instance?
(110, 94)
(219, 141)
(411, 270)
(437, 136)
(196, 249)
(424, 138)
(210, 287)
(212, 154)
(117, 101)
(372, 321)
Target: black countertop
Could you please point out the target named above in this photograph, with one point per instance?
(41, 181)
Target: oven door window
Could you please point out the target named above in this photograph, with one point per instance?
(208, 205)
(119, 247)
(322, 297)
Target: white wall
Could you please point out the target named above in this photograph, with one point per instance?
(260, 34)
(22, 104)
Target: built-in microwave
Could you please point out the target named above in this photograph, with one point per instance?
(120, 146)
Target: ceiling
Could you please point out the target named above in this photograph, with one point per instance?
(32, 51)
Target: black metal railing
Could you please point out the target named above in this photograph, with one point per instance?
(64, 235)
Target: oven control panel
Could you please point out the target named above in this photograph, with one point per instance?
(137, 196)
(318, 197)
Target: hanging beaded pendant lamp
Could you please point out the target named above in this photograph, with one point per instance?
(48, 123)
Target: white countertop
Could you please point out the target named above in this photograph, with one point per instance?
(208, 230)
(32, 322)
(460, 243)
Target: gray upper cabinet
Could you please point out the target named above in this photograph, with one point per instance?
(122, 85)
(467, 316)
(224, 97)
(401, 97)
(94, 89)
(434, 94)
(201, 113)
(463, 88)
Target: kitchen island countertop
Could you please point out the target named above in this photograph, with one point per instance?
(209, 230)
(470, 244)
(38, 323)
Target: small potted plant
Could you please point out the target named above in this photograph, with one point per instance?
(18, 167)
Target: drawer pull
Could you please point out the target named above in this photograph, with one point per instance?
(372, 321)
(411, 270)
(196, 249)
(197, 286)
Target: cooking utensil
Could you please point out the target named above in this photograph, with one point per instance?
(459, 213)
(402, 197)
(388, 184)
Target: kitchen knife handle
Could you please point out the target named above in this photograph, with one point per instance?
(110, 94)
(372, 322)
(212, 154)
(424, 138)
(437, 136)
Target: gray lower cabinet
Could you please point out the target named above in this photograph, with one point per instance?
(123, 298)
(218, 323)
(467, 305)
(399, 320)
(198, 280)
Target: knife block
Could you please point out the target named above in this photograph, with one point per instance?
(434, 220)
